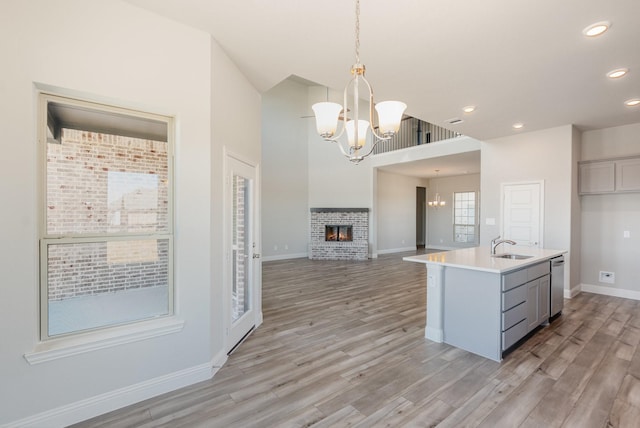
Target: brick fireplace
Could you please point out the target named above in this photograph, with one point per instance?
(339, 234)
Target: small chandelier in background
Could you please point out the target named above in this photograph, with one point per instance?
(437, 202)
(328, 114)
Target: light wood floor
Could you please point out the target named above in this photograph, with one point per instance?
(342, 344)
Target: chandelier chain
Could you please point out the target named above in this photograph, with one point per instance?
(328, 113)
(357, 31)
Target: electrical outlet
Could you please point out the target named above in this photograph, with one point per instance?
(286, 246)
(608, 277)
(275, 248)
(626, 234)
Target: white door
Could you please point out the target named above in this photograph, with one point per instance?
(242, 258)
(522, 213)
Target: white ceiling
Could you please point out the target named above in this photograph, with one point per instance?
(449, 165)
(517, 61)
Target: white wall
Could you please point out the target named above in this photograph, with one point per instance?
(335, 182)
(235, 130)
(542, 155)
(606, 217)
(396, 211)
(440, 220)
(285, 210)
(611, 142)
(118, 53)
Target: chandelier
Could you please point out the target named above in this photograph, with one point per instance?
(437, 202)
(328, 114)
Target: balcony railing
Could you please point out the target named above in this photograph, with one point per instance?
(414, 132)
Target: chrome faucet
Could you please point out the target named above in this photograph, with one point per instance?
(497, 241)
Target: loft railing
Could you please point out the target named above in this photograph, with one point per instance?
(414, 132)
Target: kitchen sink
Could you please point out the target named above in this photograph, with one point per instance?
(511, 256)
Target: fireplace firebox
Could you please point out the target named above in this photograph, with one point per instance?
(333, 232)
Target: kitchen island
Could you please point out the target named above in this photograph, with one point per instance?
(486, 303)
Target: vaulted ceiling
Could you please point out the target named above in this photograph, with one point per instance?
(517, 61)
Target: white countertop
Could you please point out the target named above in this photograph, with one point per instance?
(479, 258)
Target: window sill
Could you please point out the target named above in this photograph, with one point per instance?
(91, 341)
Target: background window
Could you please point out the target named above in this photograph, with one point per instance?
(106, 245)
(464, 217)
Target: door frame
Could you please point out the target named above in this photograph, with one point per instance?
(421, 214)
(540, 184)
(256, 262)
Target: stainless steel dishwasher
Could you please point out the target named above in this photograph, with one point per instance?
(556, 301)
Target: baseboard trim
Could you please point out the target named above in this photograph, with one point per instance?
(259, 319)
(217, 362)
(107, 402)
(573, 292)
(610, 291)
(285, 257)
(436, 335)
(397, 250)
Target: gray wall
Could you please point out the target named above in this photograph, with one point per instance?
(335, 182)
(285, 213)
(153, 64)
(440, 220)
(396, 210)
(606, 217)
(542, 155)
(302, 171)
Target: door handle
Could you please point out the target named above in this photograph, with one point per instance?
(256, 255)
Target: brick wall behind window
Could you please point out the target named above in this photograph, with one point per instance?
(78, 184)
(78, 191)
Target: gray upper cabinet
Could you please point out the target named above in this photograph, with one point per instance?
(597, 177)
(628, 175)
(610, 176)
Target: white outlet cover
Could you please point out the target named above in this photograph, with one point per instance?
(607, 277)
(626, 234)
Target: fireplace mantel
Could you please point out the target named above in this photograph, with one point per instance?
(339, 210)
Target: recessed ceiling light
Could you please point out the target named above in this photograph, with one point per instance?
(518, 125)
(596, 29)
(632, 102)
(617, 73)
(468, 109)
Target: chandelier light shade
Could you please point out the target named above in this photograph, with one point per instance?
(328, 114)
(357, 139)
(389, 116)
(437, 202)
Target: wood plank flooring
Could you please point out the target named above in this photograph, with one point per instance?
(342, 344)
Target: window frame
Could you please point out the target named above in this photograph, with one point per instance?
(476, 217)
(45, 239)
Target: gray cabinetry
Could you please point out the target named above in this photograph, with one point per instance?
(525, 302)
(537, 302)
(610, 176)
(628, 175)
(597, 177)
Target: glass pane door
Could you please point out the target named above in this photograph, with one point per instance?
(241, 250)
(242, 262)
